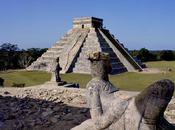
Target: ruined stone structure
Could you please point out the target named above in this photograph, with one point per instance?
(110, 111)
(86, 36)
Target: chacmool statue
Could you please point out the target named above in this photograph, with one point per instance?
(110, 111)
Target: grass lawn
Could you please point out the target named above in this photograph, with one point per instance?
(130, 81)
(28, 77)
(126, 81)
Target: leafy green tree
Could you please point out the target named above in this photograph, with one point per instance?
(24, 59)
(167, 55)
(9, 47)
(8, 56)
(11, 57)
(35, 52)
(145, 55)
(134, 53)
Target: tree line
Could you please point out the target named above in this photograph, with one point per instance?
(147, 55)
(12, 57)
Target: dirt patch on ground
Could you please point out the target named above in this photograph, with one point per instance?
(151, 71)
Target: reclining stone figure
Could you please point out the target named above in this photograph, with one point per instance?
(111, 111)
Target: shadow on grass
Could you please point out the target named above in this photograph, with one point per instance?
(35, 114)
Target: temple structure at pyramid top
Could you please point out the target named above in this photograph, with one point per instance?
(86, 36)
(87, 22)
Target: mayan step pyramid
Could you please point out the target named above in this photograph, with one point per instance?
(86, 36)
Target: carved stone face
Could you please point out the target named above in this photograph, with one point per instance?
(100, 65)
(100, 69)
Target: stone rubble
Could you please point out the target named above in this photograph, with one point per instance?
(49, 108)
(41, 108)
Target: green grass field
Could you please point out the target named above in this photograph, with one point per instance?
(130, 81)
(30, 78)
(126, 81)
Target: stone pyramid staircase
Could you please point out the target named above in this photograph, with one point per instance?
(46, 61)
(121, 51)
(70, 53)
(95, 42)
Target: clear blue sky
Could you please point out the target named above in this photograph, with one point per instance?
(136, 23)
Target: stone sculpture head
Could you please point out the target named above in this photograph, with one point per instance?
(100, 65)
